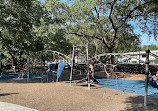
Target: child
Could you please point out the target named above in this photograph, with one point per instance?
(51, 66)
(157, 77)
(92, 70)
(14, 69)
(25, 69)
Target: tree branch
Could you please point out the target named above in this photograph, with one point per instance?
(82, 35)
(98, 22)
(114, 38)
(1, 35)
(97, 12)
(129, 14)
(115, 29)
(105, 41)
(112, 7)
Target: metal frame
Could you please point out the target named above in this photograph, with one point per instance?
(146, 74)
(123, 54)
(67, 59)
(73, 62)
(118, 54)
(72, 65)
(146, 67)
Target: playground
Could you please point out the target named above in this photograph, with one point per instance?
(78, 55)
(62, 97)
(64, 81)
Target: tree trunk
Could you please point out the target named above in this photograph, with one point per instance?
(110, 58)
(14, 61)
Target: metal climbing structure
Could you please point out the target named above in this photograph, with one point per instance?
(80, 56)
(62, 56)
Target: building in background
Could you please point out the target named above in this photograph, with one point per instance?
(136, 58)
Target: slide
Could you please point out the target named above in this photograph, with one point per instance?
(60, 69)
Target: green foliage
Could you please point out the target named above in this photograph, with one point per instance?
(26, 27)
(156, 61)
(134, 62)
(128, 43)
(151, 47)
(52, 37)
(91, 19)
(31, 26)
(18, 19)
(148, 18)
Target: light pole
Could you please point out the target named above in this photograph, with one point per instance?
(139, 53)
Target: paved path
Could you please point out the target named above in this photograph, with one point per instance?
(4, 106)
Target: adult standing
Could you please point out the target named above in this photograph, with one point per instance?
(25, 69)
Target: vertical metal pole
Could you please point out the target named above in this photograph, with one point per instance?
(57, 73)
(72, 64)
(146, 74)
(44, 70)
(116, 81)
(41, 64)
(139, 54)
(88, 67)
(0, 59)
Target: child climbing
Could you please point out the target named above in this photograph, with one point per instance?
(92, 70)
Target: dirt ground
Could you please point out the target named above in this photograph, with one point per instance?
(51, 96)
(121, 75)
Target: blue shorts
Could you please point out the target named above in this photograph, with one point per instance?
(92, 71)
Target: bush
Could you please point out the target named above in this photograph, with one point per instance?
(156, 61)
(134, 62)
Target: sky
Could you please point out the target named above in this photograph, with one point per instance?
(144, 37)
(145, 40)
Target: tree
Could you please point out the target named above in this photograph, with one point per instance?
(17, 21)
(106, 20)
(26, 27)
(155, 61)
(151, 47)
(52, 37)
(128, 43)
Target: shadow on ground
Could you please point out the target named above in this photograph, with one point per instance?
(137, 104)
(86, 85)
(7, 94)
